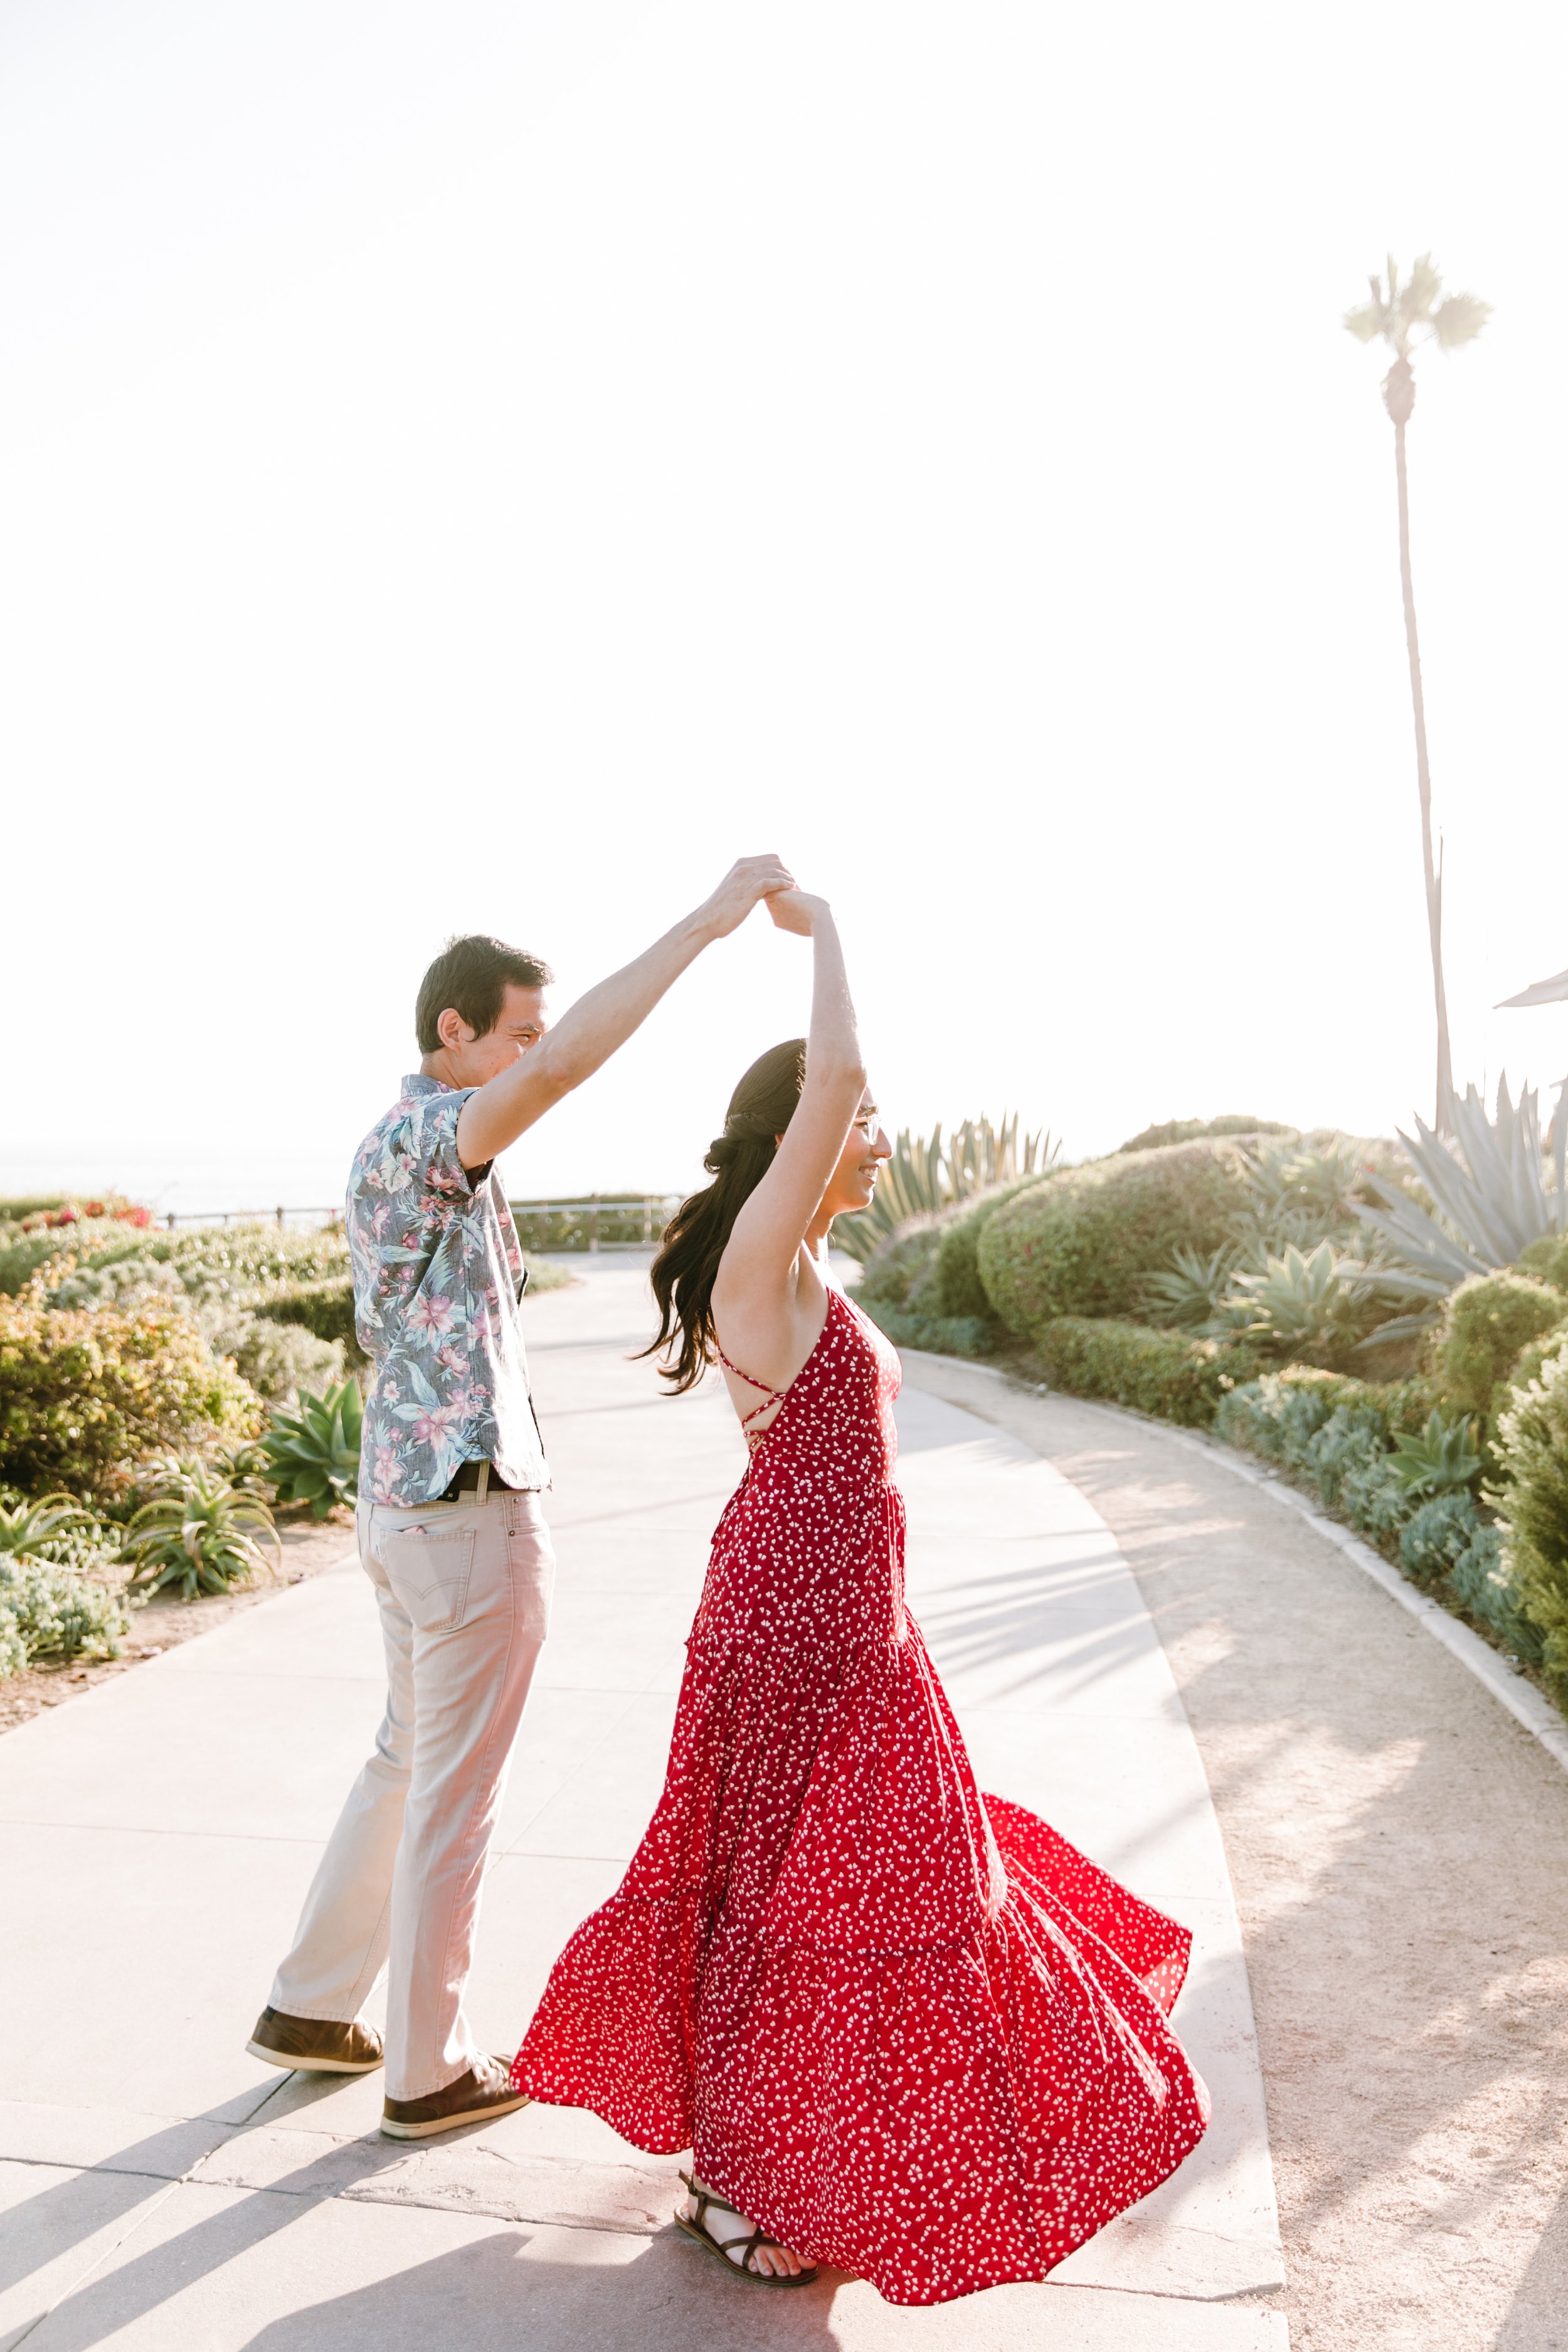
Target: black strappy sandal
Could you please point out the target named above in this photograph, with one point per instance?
(736, 2253)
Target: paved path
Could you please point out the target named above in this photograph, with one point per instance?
(160, 2189)
(1399, 1847)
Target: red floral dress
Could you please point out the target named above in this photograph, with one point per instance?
(907, 2029)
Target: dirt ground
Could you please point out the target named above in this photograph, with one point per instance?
(1399, 1849)
(307, 1547)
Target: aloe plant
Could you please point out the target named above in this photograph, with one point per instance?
(1442, 1457)
(312, 1451)
(198, 1532)
(50, 1527)
(1488, 1188)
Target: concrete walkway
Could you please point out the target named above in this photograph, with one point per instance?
(160, 2189)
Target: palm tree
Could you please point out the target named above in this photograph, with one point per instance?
(1406, 317)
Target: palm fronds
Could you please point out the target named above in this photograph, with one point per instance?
(1411, 311)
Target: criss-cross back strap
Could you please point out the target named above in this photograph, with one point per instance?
(771, 1396)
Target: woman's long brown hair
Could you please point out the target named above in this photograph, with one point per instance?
(683, 1272)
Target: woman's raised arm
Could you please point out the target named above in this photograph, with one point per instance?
(758, 1265)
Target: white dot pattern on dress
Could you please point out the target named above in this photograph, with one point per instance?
(908, 2030)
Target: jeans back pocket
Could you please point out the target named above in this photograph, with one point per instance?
(428, 1569)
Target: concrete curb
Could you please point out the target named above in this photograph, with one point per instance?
(1508, 1688)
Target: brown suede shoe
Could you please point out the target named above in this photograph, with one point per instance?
(315, 2045)
(476, 2097)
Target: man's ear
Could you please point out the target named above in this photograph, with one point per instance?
(453, 1030)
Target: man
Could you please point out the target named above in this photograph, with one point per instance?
(451, 1533)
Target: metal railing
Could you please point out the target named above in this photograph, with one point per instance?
(173, 1217)
(597, 1221)
(605, 1221)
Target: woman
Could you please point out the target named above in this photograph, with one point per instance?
(908, 2030)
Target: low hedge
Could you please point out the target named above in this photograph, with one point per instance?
(1164, 1373)
(943, 1335)
(1085, 1242)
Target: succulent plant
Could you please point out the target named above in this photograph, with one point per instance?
(198, 1532)
(1490, 1191)
(313, 1450)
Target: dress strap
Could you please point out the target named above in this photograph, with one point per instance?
(771, 1396)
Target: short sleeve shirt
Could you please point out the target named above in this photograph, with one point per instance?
(439, 1277)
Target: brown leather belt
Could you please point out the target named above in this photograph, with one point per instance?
(476, 1478)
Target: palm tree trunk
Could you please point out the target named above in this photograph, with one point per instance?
(1423, 777)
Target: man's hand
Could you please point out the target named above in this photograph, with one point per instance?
(749, 879)
(586, 1037)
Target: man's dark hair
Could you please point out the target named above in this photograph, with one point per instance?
(471, 974)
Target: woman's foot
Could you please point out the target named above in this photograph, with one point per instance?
(737, 2239)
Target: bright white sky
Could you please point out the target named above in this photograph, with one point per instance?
(486, 466)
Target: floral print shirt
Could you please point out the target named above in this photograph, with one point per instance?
(438, 1278)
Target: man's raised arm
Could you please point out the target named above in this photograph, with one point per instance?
(496, 1114)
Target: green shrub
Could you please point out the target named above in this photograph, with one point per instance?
(327, 1308)
(1487, 1323)
(1160, 1372)
(542, 1275)
(955, 1287)
(1438, 1536)
(943, 1335)
(22, 1255)
(898, 1268)
(277, 1359)
(1192, 1130)
(49, 1612)
(1531, 1502)
(1351, 1443)
(1547, 1259)
(1481, 1583)
(83, 1395)
(1277, 1414)
(1085, 1242)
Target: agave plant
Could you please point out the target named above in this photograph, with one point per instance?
(198, 1532)
(1194, 1287)
(312, 1451)
(1490, 1190)
(1442, 1457)
(924, 1176)
(1305, 1303)
(1302, 1193)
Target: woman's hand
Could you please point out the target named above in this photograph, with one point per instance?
(796, 910)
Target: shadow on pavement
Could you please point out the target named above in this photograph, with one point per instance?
(491, 2295)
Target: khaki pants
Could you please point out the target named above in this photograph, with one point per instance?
(464, 1592)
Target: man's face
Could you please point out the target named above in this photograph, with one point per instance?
(521, 1024)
